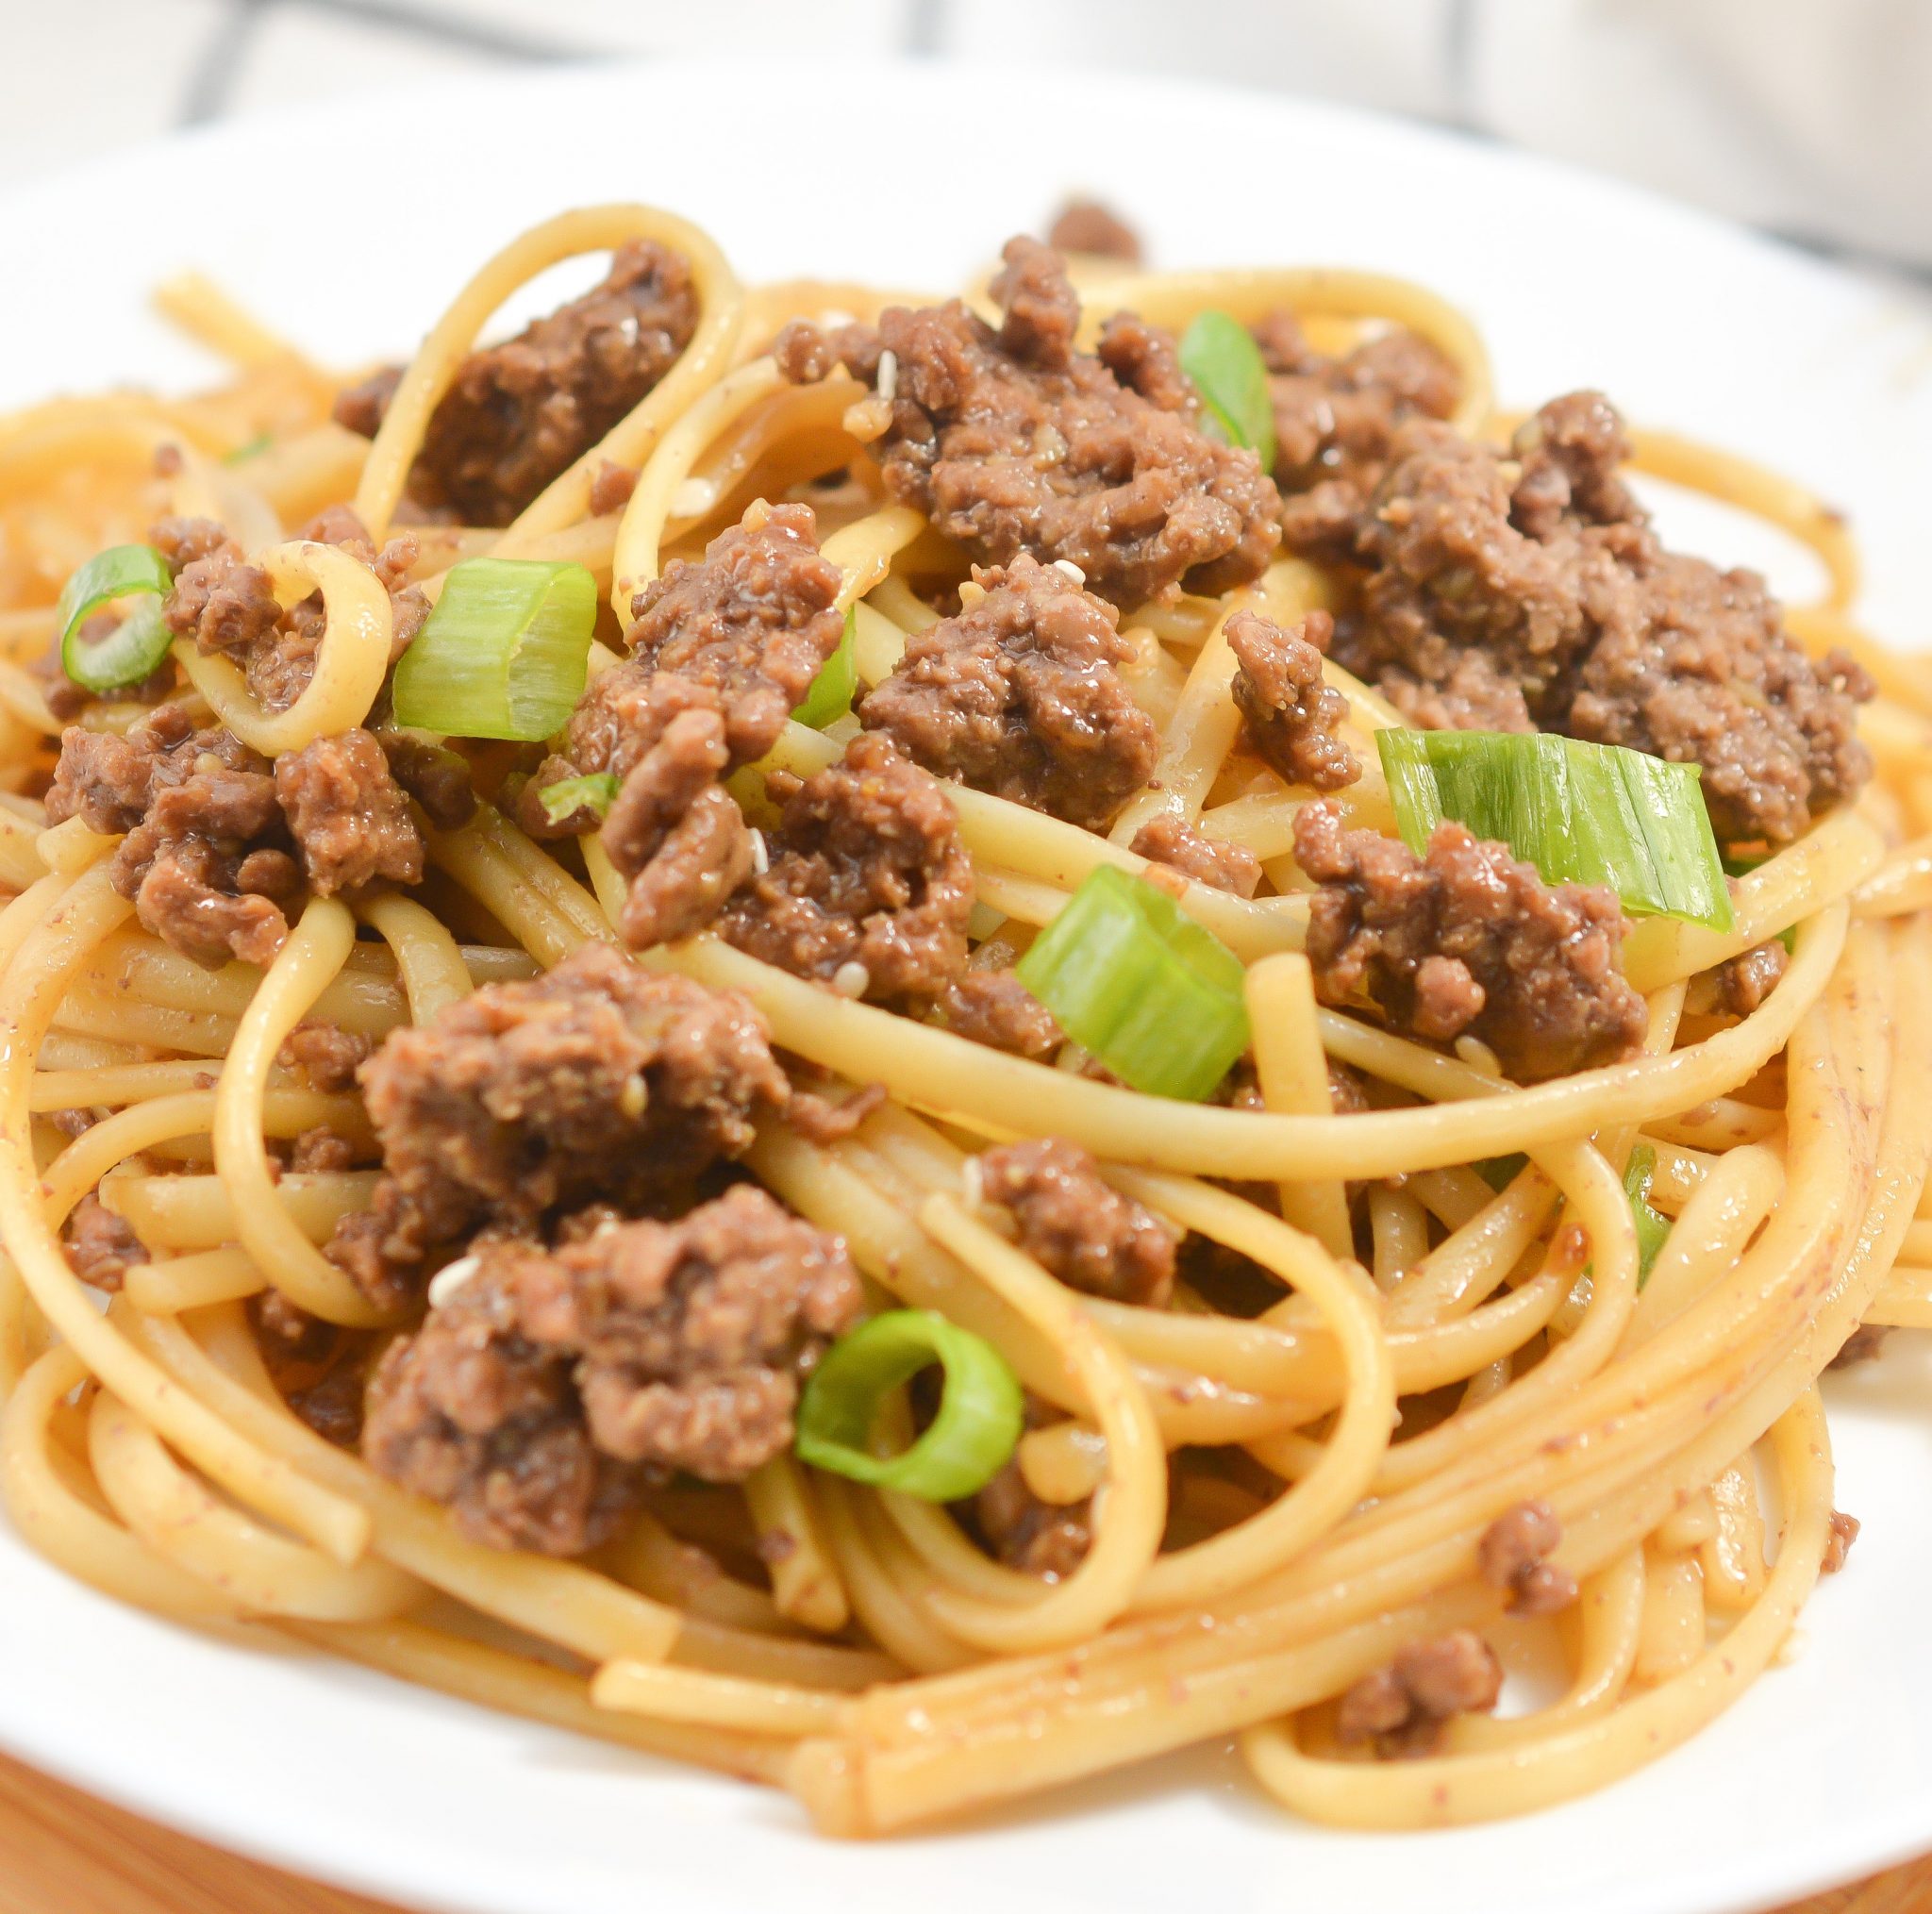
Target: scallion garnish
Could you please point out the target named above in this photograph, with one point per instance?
(1220, 357)
(503, 653)
(1581, 814)
(138, 643)
(1652, 1227)
(595, 792)
(1136, 981)
(255, 446)
(830, 696)
(980, 1415)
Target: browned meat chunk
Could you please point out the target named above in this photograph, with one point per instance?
(996, 1008)
(1077, 1226)
(1862, 1345)
(1045, 1538)
(1171, 840)
(725, 651)
(228, 606)
(1511, 1556)
(1467, 939)
(1842, 1532)
(1336, 422)
(350, 821)
(517, 414)
(1012, 442)
(1020, 695)
(1747, 981)
(318, 1369)
(1084, 225)
(438, 779)
(202, 859)
(599, 1081)
(867, 886)
(1289, 710)
(1402, 1708)
(1549, 601)
(325, 1054)
(551, 1382)
(100, 1245)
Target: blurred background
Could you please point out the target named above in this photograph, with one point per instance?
(1806, 117)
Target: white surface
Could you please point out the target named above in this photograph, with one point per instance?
(1824, 1772)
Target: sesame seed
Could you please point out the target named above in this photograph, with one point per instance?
(450, 1278)
(760, 855)
(889, 375)
(1071, 569)
(633, 1097)
(972, 1182)
(852, 979)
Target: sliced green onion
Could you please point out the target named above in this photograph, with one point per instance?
(504, 654)
(1652, 1227)
(980, 1420)
(1136, 981)
(596, 790)
(1581, 814)
(1220, 356)
(830, 696)
(141, 640)
(259, 443)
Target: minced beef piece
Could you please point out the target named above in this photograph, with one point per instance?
(1173, 842)
(325, 1054)
(865, 868)
(204, 859)
(825, 1120)
(320, 1151)
(1400, 1708)
(1841, 1533)
(1336, 420)
(1084, 225)
(228, 606)
(101, 1247)
(436, 778)
(318, 1368)
(1467, 939)
(996, 1008)
(1020, 695)
(1289, 711)
(725, 650)
(1512, 1553)
(349, 819)
(1747, 981)
(1045, 1538)
(1077, 1226)
(541, 1394)
(612, 486)
(1012, 442)
(517, 415)
(597, 1081)
(1537, 594)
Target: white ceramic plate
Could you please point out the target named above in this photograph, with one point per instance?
(350, 228)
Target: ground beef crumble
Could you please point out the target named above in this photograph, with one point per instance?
(517, 415)
(724, 650)
(866, 869)
(101, 1247)
(347, 814)
(1084, 225)
(1025, 1532)
(1511, 1555)
(1336, 420)
(1467, 939)
(1077, 1226)
(596, 1082)
(1839, 1536)
(325, 1054)
(1172, 842)
(1402, 1708)
(538, 1398)
(1290, 712)
(1532, 591)
(996, 1008)
(1012, 442)
(228, 605)
(1020, 695)
(1747, 981)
